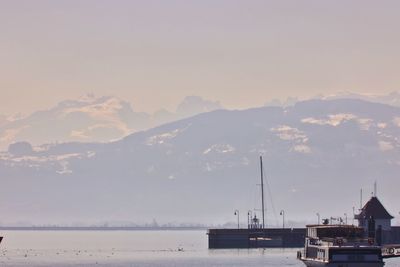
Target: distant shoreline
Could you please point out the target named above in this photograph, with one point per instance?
(97, 228)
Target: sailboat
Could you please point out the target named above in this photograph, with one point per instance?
(256, 235)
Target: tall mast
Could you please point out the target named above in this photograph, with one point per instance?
(262, 193)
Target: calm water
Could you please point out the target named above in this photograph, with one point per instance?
(132, 248)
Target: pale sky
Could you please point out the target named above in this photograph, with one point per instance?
(154, 53)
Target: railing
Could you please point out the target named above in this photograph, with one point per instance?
(391, 251)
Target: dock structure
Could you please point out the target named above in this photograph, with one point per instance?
(256, 235)
(373, 218)
(256, 238)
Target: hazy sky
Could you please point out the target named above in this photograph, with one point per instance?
(153, 53)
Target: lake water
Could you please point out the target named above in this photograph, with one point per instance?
(132, 248)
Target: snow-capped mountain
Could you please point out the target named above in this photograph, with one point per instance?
(392, 98)
(201, 168)
(91, 119)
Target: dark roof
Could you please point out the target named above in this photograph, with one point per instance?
(374, 208)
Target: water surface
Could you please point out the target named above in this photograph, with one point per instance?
(132, 248)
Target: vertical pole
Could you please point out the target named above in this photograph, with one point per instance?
(262, 193)
(361, 195)
(237, 214)
(249, 217)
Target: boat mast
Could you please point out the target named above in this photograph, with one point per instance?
(262, 193)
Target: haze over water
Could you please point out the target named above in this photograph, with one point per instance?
(127, 112)
(132, 248)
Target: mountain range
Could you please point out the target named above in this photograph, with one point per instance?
(317, 155)
(92, 119)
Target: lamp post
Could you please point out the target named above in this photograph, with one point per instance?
(283, 218)
(249, 215)
(237, 213)
(318, 222)
(345, 216)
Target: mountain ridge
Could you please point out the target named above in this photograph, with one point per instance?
(203, 167)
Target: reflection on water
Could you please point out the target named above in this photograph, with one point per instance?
(131, 248)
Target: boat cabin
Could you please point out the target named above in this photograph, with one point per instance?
(326, 232)
(338, 245)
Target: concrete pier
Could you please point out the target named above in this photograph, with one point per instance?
(256, 238)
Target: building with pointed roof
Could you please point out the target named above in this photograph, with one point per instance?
(374, 210)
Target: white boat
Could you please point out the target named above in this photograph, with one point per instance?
(339, 246)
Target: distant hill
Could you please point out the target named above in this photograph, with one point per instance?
(317, 155)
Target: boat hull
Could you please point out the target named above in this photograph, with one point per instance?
(313, 263)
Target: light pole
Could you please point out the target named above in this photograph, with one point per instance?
(345, 216)
(354, 214)
(249, 215)
(237, 213)
(318, 222)
(283, 218)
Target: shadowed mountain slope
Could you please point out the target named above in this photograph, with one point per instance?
(201, 168)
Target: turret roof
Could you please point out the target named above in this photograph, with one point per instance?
(374, 208)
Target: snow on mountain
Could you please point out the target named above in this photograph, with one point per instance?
(392, 98)
(201, 168)
(91, 119)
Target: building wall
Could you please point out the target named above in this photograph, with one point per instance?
(385, 223)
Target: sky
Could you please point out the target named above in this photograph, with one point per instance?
(154, 53)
